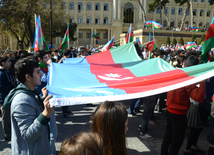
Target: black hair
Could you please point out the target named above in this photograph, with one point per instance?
(3, 58)
(25, 66)
(25, 54)
(191, 61)
(39, 54)
(67, 52)
(158, 52)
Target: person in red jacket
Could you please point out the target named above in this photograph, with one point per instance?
(178, 103)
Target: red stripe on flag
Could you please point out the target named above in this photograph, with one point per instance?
(210, 32)
(117, 77)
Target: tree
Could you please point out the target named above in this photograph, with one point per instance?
(181, 41)
(161, 5)
(17, 19)
(194, 38)
(202, 38)
(168, 41)
(143, 11)
(174, 42)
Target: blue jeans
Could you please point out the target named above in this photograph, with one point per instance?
(53, 132)
(134, 105)
(148, 106)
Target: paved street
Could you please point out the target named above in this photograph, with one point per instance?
(80, 121)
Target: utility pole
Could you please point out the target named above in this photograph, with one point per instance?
(51, 22)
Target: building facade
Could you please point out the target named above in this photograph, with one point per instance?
(113, 17)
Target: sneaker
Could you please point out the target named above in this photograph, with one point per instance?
(146, 136)
(139, 127)
(132, 115)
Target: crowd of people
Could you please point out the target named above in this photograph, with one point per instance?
(29, 121)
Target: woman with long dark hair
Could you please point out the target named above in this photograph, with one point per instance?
(110, 121)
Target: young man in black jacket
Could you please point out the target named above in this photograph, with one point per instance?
(6, 84)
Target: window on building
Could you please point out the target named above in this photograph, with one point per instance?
(202, 0)
(105, 21)
(172, 24)
(72, 20)
(88, 6)
(98, 33)
(45, 5)
(208, 13)
(173, 11)
(128, 13)
(207, 25)
(63, 5)
(208, 1)
(88, 34)
(194, 12)
(80, 7)
(201, 12)
(165, 10)
(71, 6)
(179, 23)
(88, 20)
(194, 23)
(105, 7)
(105, 35)
(200, 24)
(186, 23)
(97, 20)
(164, 23)
(80, 20)
(80, 34)
(180, 11)
(195, 0)
(150, 11)
(157, 10)
(97, 6)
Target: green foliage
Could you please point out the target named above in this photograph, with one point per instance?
(211, 2)
(180, 2)
(181, 41)
(193, 38)
(18, 18)
(155, 3)
(168, 41)
(202, 38)
(174, 42)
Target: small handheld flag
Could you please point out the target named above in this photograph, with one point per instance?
(129, 36)
(65, 41)
(6, 51)
(95, 36)
(109, 45)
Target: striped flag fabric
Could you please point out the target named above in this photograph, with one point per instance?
(95, 36)
(129, 36)
(6, 51)
(114, 75)
(190, 45)
(150, 45)
(109, 45)
(194, 29)
(29, 50)
(65, 42)
(151, 39)
(149, 23)
(156, 25)
(138, 42)
(208, 43)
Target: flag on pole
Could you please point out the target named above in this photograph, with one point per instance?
(149, 23)
(29, 50)
(109, 45)
(129, 36)
(194, 29)
(208, 43)
(95, 36)
(65, 41)
(150, 45)
(138, 42)
(6, 51)
(151, 39)
(156, 25)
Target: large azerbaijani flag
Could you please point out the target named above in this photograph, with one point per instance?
(208, 42)
(118, 74)
(129, 36)
(65, 41)
(190, 45)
